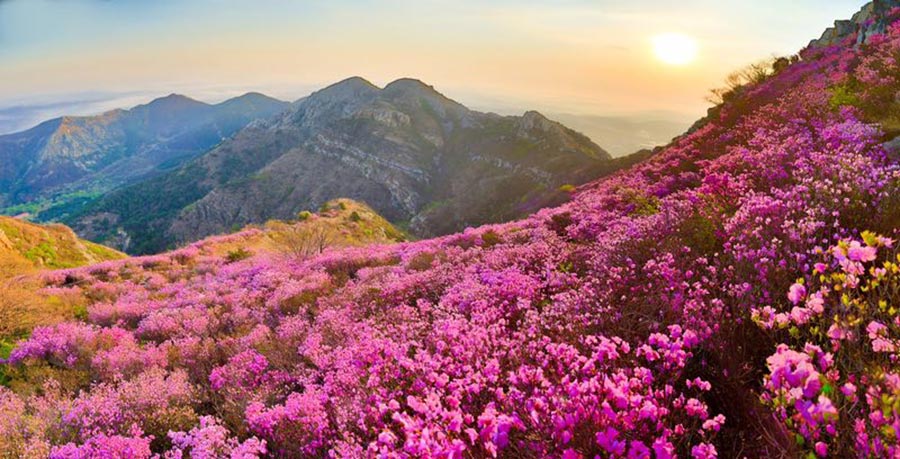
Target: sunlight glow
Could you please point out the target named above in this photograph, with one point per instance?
(675, 48)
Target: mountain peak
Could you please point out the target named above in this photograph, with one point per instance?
(253, 95)
(354, 83)
(409, 84)
(350, 88)
(251, 100)
(534, 115)
(174, 97)
(174, 101)
(411, 90)
(535, 120)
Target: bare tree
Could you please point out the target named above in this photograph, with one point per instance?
(304, 240)
(750, 75)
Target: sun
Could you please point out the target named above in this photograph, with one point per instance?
(675, 48)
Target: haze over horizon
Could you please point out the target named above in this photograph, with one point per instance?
(579, 57)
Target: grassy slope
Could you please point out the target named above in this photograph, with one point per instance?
(346, 223)
(27, 247)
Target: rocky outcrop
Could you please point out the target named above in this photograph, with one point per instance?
(871, 20)
(892, 147)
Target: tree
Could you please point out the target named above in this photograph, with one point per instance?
(304, 240)
(750, 75)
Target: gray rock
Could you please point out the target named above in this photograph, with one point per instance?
(870, 20)
(893, 148)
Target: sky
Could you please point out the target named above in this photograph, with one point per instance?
(585, 57)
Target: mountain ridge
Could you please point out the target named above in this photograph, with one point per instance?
(405, 149)
(79, 154)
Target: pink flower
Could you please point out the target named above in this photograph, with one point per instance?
(800, 316)
(797, 293)
(704, 451)
(387, 437)
(858, 252)
(849, 391)
(875, 329)
(816, 303)
(836, 332)
(821, 449)
(714, 424)
(608, 440)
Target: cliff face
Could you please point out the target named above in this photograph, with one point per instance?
(869, 21)
(415, 156)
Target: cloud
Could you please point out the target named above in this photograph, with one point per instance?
(24, 115)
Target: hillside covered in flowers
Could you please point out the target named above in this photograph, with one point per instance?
(736, 295)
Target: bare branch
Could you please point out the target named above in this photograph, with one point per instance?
(305, 239)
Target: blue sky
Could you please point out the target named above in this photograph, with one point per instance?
(578, 56)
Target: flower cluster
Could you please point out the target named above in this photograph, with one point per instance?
(839, 392)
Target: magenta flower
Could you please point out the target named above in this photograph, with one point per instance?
(797, 293)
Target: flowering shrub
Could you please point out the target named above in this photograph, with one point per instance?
(137, 447)
(211, 440)
(840, 390)
(658, 313)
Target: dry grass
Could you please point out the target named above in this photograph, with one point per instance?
(340, 223)
(26, 249)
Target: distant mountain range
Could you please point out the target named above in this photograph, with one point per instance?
(619, 134)
(415, 156)
(176, 170)
(60, 164)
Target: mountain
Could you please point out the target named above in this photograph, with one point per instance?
(412, 154)
(55, 167)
